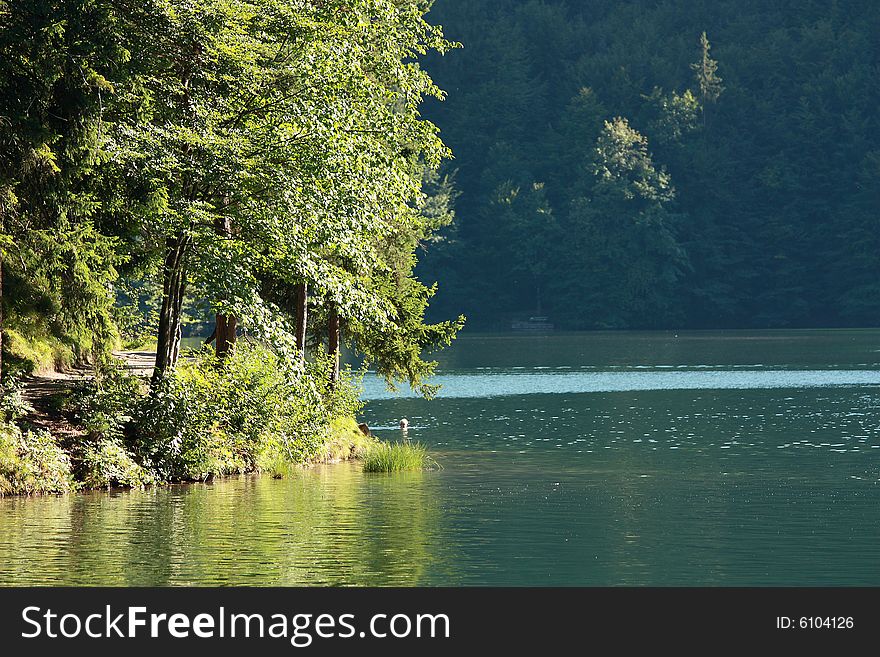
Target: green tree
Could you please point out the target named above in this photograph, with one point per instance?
(398, 350)
(56, 62)
(295, 126)
(623, 258)
(706, 73)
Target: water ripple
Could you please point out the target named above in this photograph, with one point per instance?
(507, 384)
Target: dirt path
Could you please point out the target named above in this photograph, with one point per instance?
(47, 393)
(138, 362)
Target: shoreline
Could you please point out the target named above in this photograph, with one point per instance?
(355, 449)
(179, 484)
(48, 449)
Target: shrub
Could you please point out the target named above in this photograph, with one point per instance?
(106, 463)
(103, 407)
(252, 410)
(8, 456)
(32, 462)
(398, 457)
(12, 404)
(104, 404)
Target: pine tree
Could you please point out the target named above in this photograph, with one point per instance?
(707, 76)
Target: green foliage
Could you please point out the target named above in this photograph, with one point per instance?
(131, 133)
(12, 403)
(774, 168)
(296, 126)
(213, 417)
(706, 73)
(32, 463)
(231, 149)
(30, 350)
(397, 352)
(106, 462)
(673, 115)
(624, 167)
(54, 61)
(135, 311)
(104, 404)
(397, 348)
(398, 457)
(103, 408)
(345, 441)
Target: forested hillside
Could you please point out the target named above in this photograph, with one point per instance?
(615, 170)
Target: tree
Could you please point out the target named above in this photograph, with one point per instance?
(526, 220)
(398, 349)
(56, 60)
(281, 143)
(622, 259)
(772, 196)
(706, 73)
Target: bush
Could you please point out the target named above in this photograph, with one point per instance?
(12, 404)
(106, 463)
(103, 407)
(104, 404)
(250, 411)
(398, 457)
(32, 463)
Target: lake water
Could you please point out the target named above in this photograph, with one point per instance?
(700, 458)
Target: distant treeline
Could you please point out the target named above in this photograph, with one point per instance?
(617, 170)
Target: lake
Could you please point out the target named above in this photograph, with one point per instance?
(636, 458)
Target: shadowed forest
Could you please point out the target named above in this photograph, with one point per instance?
(616, 171)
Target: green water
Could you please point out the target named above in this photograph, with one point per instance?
(591, 459)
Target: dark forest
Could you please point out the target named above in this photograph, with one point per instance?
(615, 170)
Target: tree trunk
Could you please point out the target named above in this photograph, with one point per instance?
(1, 314)
(225, 334)
(173, 289)
(302, 300)
(226, 324)
(333, 345)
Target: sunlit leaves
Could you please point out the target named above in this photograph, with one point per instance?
(624, 166)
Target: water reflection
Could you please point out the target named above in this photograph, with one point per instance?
(330, 525)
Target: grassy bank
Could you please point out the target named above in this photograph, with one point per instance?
(34, 462)
(344, 442)
(251, 412)
(35, 354)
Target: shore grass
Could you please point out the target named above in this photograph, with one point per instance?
(397, 457)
